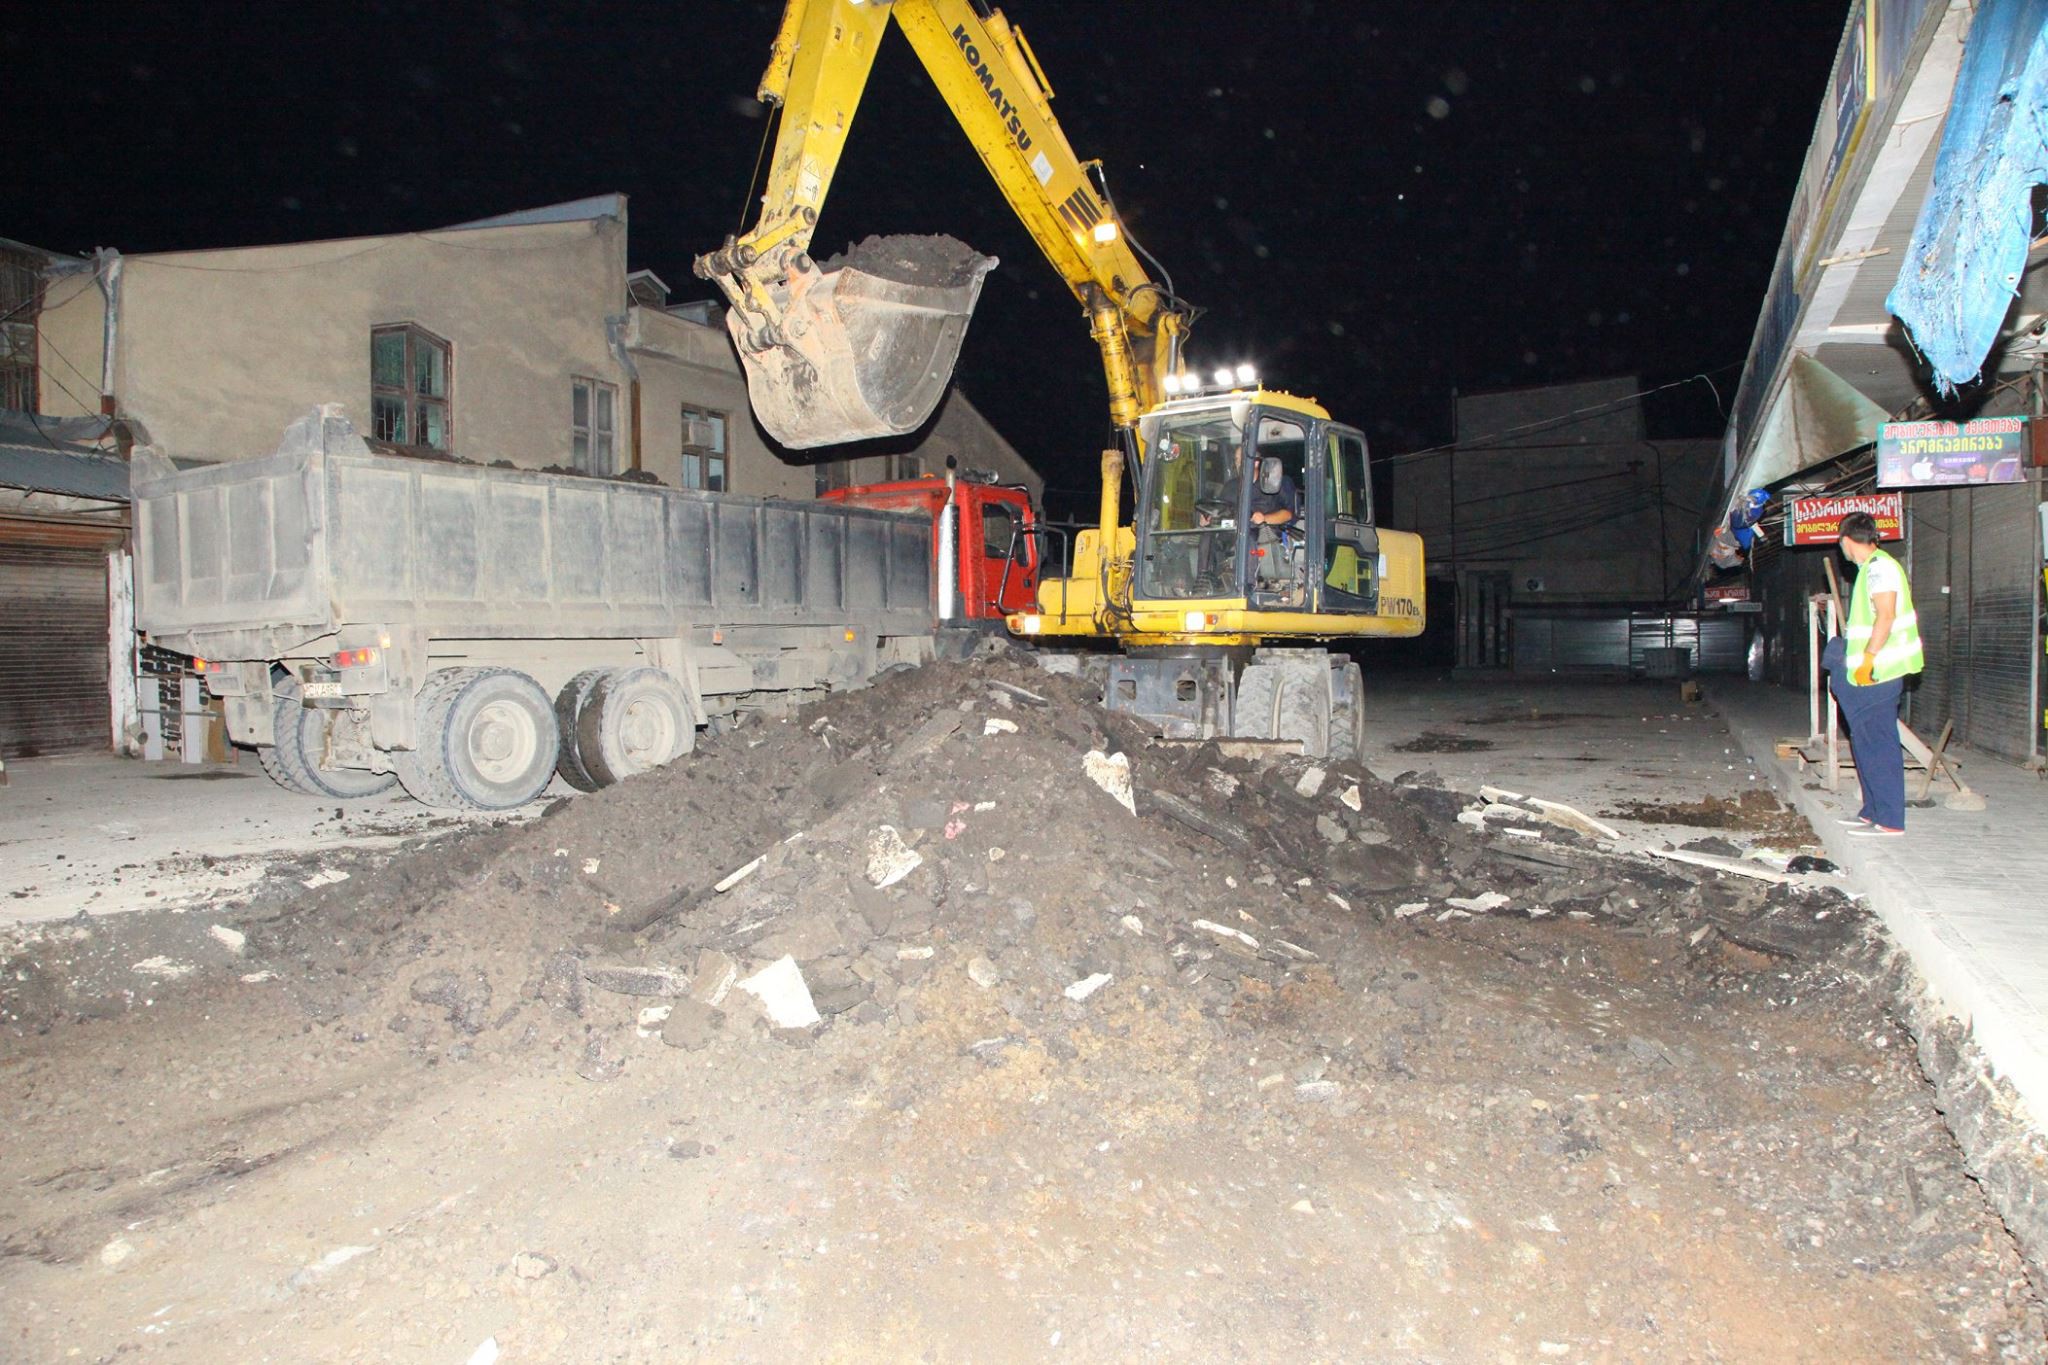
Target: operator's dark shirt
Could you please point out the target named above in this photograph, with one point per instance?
(1286, 499)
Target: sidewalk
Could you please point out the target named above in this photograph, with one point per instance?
(1965, 894)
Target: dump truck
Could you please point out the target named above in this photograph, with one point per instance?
(469, 631)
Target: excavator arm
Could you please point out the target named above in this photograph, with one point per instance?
(866, 348)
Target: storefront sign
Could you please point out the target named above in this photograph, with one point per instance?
(1818, 521)
(1940, 454)
(1728, 592)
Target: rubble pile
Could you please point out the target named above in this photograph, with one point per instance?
(987, 815)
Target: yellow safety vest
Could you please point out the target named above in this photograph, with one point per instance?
(1901, 653)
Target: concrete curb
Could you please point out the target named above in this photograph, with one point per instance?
(1978, 1041)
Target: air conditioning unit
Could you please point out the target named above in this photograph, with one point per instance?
(700, 433)
(1532, 585)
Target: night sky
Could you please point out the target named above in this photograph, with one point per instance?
(1378, 204)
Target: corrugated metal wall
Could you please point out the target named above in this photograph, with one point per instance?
(2004, 574)
(53, 649)
(1927, 569)
(1982, 544)
(1586, 644)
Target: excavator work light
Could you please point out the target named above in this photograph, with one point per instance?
(1105, 232)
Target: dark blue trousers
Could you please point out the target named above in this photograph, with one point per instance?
(1872, 714)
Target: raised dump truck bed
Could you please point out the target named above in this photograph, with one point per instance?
(469, 629)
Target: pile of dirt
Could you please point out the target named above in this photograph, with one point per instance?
(935, 261)
(979, 772)
(1756, 811)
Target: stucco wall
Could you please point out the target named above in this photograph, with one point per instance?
(685, 363)
(217, 351)
(68, 340)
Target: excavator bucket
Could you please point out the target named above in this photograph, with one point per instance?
(867, 342)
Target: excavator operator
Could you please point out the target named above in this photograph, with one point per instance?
(1275, 499)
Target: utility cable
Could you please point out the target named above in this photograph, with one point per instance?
(1547, 423)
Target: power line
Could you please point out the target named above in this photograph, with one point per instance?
(1547, 423)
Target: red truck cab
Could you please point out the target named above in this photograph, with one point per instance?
(998, 551)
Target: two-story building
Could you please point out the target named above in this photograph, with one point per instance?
(524, 339)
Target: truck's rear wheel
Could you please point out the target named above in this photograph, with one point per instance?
(293, 761)
(635, 720)
(569, 704)
(487, 740)
(1347, 713)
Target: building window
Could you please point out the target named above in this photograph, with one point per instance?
(829, 475)
(704, 453)
(21, 297)
(905, 467)
(593, 426)
(409, 373)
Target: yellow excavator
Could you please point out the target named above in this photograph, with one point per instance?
(1253, 533)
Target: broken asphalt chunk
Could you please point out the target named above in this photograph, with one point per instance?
(624, 980)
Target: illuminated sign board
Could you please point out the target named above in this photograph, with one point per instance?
(1818, 521)
(1945, 454)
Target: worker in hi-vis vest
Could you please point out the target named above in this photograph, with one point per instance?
(1883, 647)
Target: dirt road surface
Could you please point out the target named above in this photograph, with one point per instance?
(1272, 1060)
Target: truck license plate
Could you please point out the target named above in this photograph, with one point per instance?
(320, 689)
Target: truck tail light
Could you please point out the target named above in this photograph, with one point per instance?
(355, 658)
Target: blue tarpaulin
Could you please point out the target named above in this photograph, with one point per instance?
(1970, 245)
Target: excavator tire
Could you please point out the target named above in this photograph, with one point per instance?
(1347, 713)
(1255, 713)
(1304, 713)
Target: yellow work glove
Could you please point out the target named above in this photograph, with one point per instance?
(1866, 672)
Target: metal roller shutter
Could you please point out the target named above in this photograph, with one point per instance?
(1927, 568)
(1724, 645)
(1590, 646)
(53, 649)
(1962, 585)
(2003, 568)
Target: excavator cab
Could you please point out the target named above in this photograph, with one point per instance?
(863, 346)
(1220, 512)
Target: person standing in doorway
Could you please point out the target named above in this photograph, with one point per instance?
(1883, 647)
